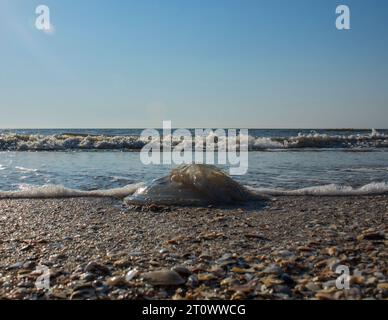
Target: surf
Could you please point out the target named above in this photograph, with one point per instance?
(193, 185)
(59, 191)
(373, 188)
(88, 142)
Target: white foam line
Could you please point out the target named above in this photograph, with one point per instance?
(58, 191)
(374, 188)
(26, 169)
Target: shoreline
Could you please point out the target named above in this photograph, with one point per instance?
(287, 249)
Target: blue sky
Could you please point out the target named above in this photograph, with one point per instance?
(199, 63)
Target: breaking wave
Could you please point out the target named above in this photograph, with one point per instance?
(312, 140)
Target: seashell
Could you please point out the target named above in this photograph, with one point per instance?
(116, 281)
(131, 274)
(206, 277)
(163, 278)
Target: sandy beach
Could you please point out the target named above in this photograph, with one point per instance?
(289, 248)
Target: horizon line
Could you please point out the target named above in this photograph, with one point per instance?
(173, 128)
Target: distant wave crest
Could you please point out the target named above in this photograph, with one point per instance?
(313, 140)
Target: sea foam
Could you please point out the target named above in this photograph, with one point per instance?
(373, 188)
(162, 191)
(59, 191)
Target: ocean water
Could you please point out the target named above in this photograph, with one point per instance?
(289, 161)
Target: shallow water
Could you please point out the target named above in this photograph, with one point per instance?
(94, 159)
(104, 170)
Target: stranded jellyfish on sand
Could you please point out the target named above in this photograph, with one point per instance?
(194, 184)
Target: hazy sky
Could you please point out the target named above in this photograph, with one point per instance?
(199, 63)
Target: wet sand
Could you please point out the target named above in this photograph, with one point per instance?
(288, 249)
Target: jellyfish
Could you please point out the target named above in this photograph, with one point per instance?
(192, 185)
